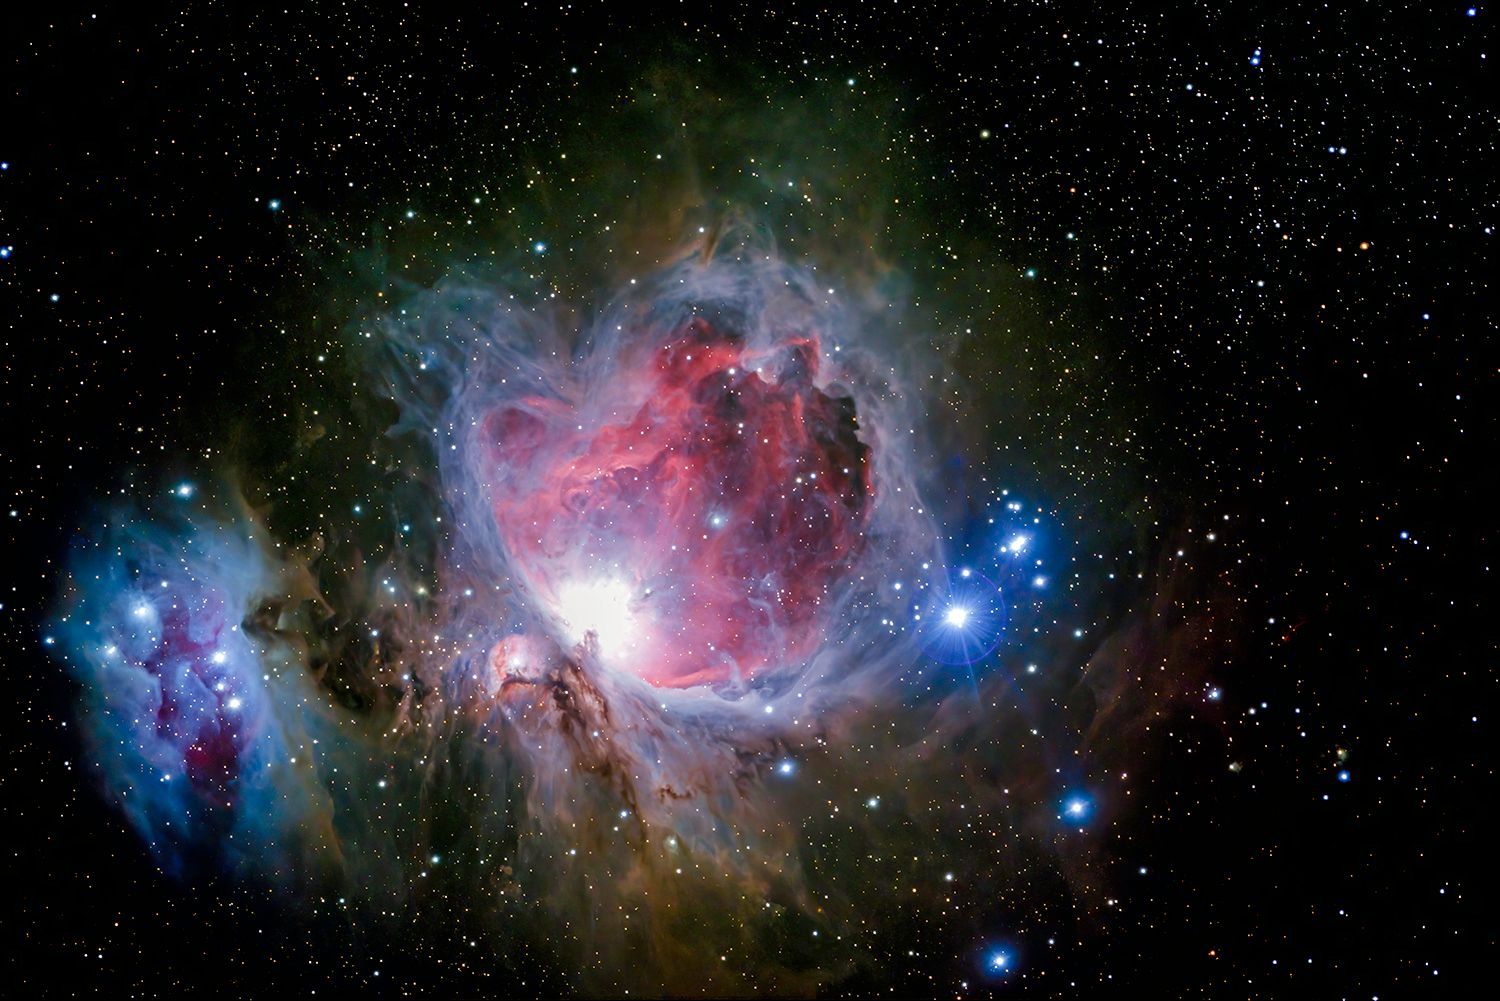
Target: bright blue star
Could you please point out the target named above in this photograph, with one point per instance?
(963, 622)
(1077, 807)
(998, 961)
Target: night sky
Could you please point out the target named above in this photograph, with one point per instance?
(895, 500)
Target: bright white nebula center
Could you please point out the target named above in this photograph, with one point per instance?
(602, 607)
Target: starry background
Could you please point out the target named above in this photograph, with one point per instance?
(1211, 289)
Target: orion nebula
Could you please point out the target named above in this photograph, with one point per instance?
(660, 587)
(776, 501)
(644, 646)
(683, 553)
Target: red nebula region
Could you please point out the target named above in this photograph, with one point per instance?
(697, 531)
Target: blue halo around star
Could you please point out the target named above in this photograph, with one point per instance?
(963, 622)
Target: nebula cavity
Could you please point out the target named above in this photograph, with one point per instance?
(696, 527)
(696, 483)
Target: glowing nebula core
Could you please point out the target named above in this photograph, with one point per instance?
(695, 523)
